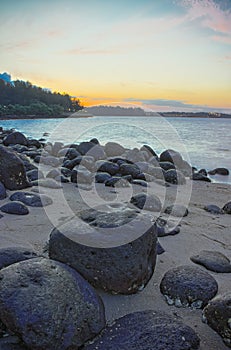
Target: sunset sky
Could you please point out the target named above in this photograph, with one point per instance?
(159, 54)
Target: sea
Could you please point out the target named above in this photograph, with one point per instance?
(203, 142)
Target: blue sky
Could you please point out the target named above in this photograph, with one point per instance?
(142, 52)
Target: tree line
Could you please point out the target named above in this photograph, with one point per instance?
(23, 98)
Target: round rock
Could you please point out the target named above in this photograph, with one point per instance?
(174, 177)
(212, 260)
(113, 248)
(113, 149)
(15, 138)
(11, 255)
(31, 199)
(146, 330)
(15, 207)
(214, 209)
(227, 208)
(146, 201)
(188, 286)
(177, 210)
(51, 306)
(217, 314)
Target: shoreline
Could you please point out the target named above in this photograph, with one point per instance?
(199, 230)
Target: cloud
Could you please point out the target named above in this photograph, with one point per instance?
(85, 51)
(175, 105)
(212, 16)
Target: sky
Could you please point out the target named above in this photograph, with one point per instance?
(162, 55)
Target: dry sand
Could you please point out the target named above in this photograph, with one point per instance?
(199, 230)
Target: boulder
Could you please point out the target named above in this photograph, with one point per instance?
(146, 330)
(31, 199)
(217, 314)
(50, 160)
(34, 174)
(167, 165)
(11, 255)
(157, 172)
(146, 201)
(56, 147)
(15, 138)
(212, 260)
(114, 248)
(219, 171)
(113, 149)
(174, 177)
(203, 172)
(227, 208)
(188, 286)
(2, 191)
(171, 156)
(84, 147)
(107, 167)
(97, 152)
(44, 314)
(176, 210)
(200, 177)
(53, 173)
(214, 209)
(135, 155)
(15, 207)
(81, 175)
(150, 151)
(102, 177)
(117, 181)
(12, 170)
(129, 169)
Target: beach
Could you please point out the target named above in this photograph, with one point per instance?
(199, 230)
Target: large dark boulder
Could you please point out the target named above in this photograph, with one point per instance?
(15, 138)
(129, 169)
(217, 314)
(114, 249)
(49, 305)
(146, 330)
(200, 177)
(188, 286)
(12, 170)
(84, 147)
(11, 255)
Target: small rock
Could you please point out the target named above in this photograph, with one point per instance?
(212, 260)
(50, 183)
(129, 169)
(2, 191)
(113, 149)
(214, 209)
(107, 167)
(200, 177)
(102, 177)
(31, 199)
(16, 208)
(11, 255)
(117, 181)
(188, 286)
(177, 210)
(203, 172)
(217, 315)
(219, 171)
(174, 177)
(227, 208)
(140, 183)
(146, 201)
(34, 174)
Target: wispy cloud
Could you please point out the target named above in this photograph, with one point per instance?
(211, 16)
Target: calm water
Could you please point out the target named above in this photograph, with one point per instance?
(205, 143)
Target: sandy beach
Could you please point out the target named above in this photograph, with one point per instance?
(199, 230)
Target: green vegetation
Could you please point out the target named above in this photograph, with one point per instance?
(24, 99)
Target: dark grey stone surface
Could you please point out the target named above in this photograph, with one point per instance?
(146, 330)
(11, 255)
(177, 210)
(213, 209)
(114, 251)
(227, 208)
(212, 260)
(15, 138)
(32, 199)
(217, 314)
(174, 177)
(49, 305)
(12, 170)
(146, 201)
(15, 207)
(2, 191)
(188, 286)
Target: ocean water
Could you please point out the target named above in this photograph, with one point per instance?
(203, 142)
